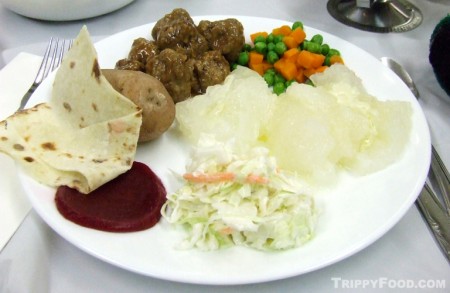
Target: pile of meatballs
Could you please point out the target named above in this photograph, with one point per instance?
(185, 57)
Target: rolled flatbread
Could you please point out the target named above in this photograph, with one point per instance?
(84, 136)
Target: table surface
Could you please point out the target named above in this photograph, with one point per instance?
(38, 260)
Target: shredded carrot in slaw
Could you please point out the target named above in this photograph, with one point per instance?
(223, 177)
(209, 178)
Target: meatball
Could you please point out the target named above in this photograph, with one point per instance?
(184, 57)
(141, 50)
(175, 71)
(211, 69)
(177, 31)
(227, 36)
(129, 64)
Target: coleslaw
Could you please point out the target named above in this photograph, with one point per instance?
(229, 199)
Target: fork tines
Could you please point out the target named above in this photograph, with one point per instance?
(52, 59)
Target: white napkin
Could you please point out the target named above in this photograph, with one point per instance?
(15, 79)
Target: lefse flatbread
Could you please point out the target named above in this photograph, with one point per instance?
(84, 136)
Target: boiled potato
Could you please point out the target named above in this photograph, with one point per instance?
(158, 108)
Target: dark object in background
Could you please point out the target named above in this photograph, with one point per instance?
(440, 53)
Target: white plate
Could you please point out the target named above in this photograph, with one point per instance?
(355, 213)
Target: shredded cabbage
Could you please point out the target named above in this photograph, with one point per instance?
(243, 199)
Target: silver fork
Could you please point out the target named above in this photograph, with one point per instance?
(435, 212)
(52, 59)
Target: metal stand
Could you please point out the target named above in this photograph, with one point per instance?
(381, 16)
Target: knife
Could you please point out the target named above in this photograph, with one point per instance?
(402, 73)
(437, 217)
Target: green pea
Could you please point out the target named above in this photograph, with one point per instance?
(305, 44)
(279, 88)
(334, 52)
(327, 61)
(261, 47)
(318, 39)
(277, 39)
(297, 24)
(280, 48)
(302, 45)
(247, 47)
(243, 58)
(279, 78)
(312, 47)
(324, 49)
(259, 39)
(233, 66)
(271, 71)
(272, 57)
(269, 78)
(269, 38)
(288, 83)
(270, 46)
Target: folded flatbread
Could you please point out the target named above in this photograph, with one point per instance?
(84, 136)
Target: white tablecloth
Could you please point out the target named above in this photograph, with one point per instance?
(38, 260)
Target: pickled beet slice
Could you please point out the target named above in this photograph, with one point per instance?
(130, 202)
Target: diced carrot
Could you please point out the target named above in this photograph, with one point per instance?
(291, 54)
(300, 77)
(284, 30)
(336, 59)
(258, 67)
(257, 63)
(309, 60)
(299, 35)
(266, 65)
(310, 71)
(287, 69)
(255, 58)
(279, 64)
(321, 68)
(254, 35)
(290, 42)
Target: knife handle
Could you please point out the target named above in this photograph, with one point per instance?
(438, 221)
(442, 177)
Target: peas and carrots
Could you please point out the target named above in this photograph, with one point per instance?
(284, 56)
